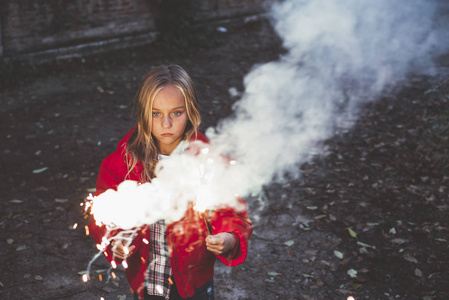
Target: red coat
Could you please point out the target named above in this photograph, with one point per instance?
(191, 262)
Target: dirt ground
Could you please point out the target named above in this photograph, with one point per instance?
(368, 218)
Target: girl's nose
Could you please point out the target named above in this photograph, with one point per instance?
(166, 122)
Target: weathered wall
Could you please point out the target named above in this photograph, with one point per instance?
(58, 27)
(1, 46)
(223, 9)
(34, 25)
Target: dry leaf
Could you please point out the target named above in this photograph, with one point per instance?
(409, 257)
(343, 291)
(338, 254)
(16, 201)
(352, 273)
(398, 241)
(289, 243)
(37, 171)
(365, 245)
(320, 217)
(352, 232)
(21, 248)
(418, 272)
(311, 252)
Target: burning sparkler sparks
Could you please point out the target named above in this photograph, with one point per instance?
(125, 264)
(85, 278)
(205, 180)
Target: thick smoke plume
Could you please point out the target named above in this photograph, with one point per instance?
(340, 55)
(182, 179)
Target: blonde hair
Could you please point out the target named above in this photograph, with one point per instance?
(142, 146)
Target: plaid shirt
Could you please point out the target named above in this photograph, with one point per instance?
(159, 270)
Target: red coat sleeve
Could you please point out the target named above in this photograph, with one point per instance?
(238, 223)
(110, 173)
(109, 177)
(113, 171)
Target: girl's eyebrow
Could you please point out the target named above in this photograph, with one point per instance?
(175, 108)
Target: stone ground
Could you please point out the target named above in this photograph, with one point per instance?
(375, 201)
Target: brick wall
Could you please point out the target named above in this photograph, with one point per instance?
(41, 26)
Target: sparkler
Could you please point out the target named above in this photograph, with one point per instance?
(206, 221)
(180, 179)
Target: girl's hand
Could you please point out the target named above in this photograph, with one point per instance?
(221, 243)
(118, 249)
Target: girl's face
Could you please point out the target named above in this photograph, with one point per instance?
(169, 118)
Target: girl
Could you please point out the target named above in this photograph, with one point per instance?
(169, 261)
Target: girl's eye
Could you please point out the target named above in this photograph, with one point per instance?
(156, 114)
(177, 113)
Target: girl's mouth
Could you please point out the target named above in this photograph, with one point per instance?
(167, 134)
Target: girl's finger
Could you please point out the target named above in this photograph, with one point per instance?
(214, 240)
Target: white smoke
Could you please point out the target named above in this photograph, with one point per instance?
(183, 179)
(340, 54)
